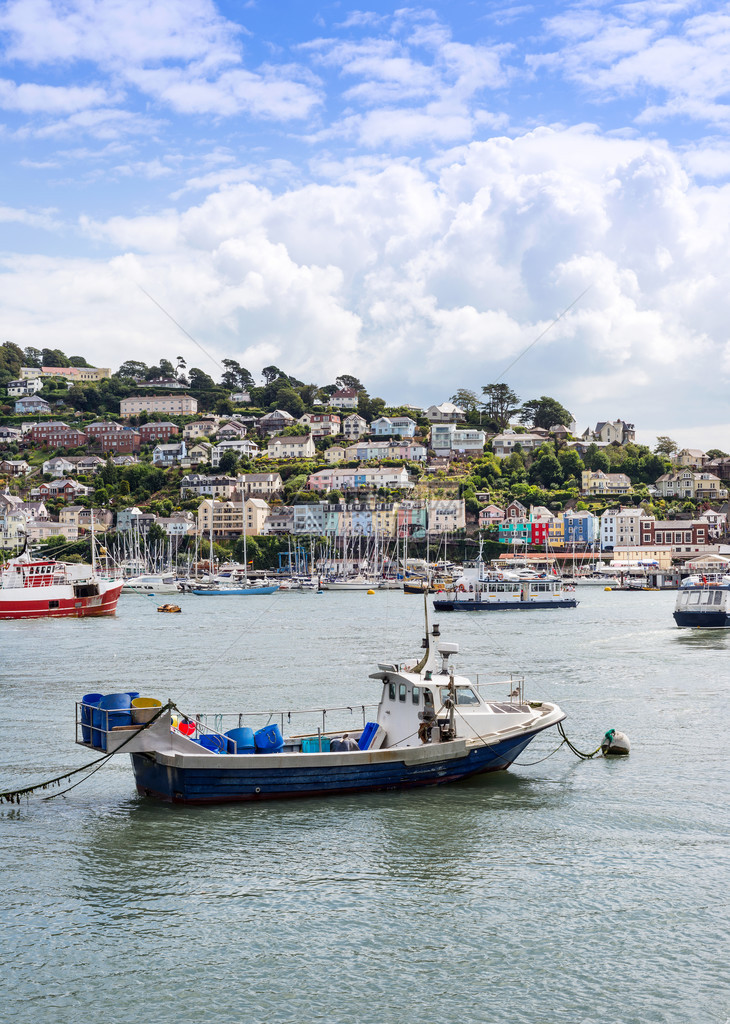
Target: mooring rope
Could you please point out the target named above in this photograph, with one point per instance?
(578, 753)
(12, 796)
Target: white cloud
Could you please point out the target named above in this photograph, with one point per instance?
(421, 286)
(680, 63)
(31, 98)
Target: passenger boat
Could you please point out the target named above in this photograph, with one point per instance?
(704, 601)
(430, 727)
(44, 588)
(482, 589)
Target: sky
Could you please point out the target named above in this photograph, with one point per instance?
(412, 195)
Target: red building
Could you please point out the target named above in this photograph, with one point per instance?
(113, 437)
(55, 435)
(539, 532)
(158, 431)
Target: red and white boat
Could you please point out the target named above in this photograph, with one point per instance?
(43, 588)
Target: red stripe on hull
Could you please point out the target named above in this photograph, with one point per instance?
(77, 608)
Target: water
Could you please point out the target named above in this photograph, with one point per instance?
(561, 891)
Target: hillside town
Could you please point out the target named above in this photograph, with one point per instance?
(168, 454)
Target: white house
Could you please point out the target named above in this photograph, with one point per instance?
(18, 388)
(504, 444)
(345, 398)
(354, 426)
(447, 439)
(447, 412)
(241, 447)
(393, 426)
(292, 447)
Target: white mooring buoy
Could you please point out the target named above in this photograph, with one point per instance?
(615, 743)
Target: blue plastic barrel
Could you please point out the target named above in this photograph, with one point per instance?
(132, 694)
(114, 709)
(244, 740)
(213, 742)
(269, 739)
(88, 703)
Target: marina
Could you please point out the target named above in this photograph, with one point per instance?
(558, 849)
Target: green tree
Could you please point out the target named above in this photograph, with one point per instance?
(501, 403)
(545, 412)
(32, 357)
(200, 381)
(228, 463)
(571, 464)
(595, 458)
(466, 399)
(54, 357)
(665, 445)
(546, 469)
(346, 380)
(131, 369)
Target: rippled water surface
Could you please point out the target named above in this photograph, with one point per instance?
(561, 891)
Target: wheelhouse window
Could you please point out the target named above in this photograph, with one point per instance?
(402, 691)
(416, 695)
(391, 691)
(464, 695)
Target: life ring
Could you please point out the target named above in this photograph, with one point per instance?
(462, 588)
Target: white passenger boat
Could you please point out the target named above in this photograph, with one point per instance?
(151, 583)
(704, 601)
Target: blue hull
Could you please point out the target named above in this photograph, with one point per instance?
(501, 606)
(217, 784)
(702, 619)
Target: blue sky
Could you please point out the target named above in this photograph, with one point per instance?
(409, 194)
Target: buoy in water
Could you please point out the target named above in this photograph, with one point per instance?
(615, 744)
(371, 591)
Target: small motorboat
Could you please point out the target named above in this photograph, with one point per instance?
(430, 727)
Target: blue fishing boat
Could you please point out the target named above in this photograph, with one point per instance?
(430, 727)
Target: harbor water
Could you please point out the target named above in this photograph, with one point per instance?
(560, 891)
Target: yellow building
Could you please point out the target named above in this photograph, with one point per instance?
(75, 374)
(228, 520)
(556, 533)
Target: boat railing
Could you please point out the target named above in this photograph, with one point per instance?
(299, 722)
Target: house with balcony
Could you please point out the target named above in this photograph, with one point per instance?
(596, 482)
(14, 467)
(241, 448)
(693, 484)
(361, 478)
(321, 424)
(490, 515)
(276, 421)
(393, 426)
(447, 439)
(354, 427)
(260, 485)
(504, 444)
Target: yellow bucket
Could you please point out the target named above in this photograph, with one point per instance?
(144, 709)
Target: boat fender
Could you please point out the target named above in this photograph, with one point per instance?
(615, 744)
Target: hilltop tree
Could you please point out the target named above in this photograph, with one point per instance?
(502, 403)
(545, 412)
(665, 446)
(200, 381)
(132, 369)
(32, 357)
(54, 357)
(237, 376)
(346, 380)
(466, 399)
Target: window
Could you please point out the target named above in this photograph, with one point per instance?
(402, 692)
(391, 691)
(416, 694)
